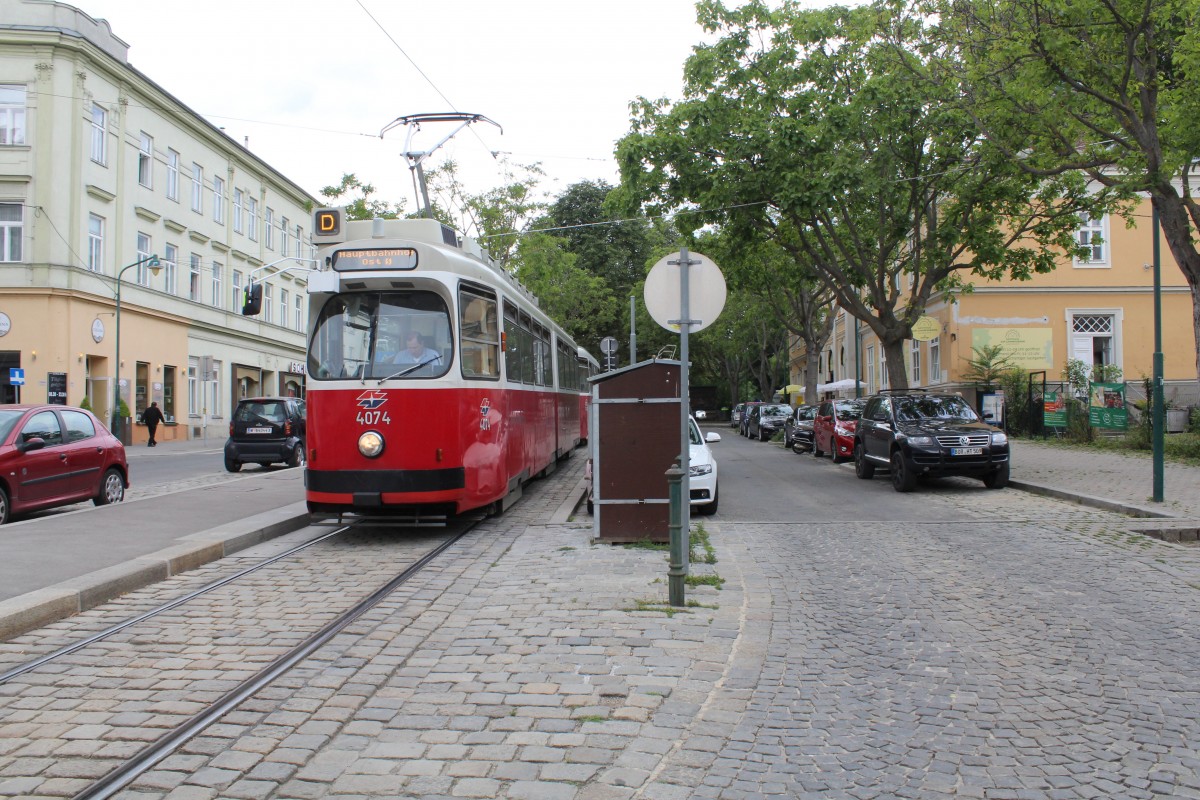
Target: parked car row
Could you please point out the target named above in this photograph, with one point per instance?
(912, 434)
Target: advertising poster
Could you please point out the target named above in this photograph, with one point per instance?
(1054, 410)
(1028, 348)
(1106, 406)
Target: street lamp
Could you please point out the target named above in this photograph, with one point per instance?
(155, 267)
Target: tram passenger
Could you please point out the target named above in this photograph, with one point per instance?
(415, 351)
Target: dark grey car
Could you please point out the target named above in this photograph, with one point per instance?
(798, 429)
(266, 430)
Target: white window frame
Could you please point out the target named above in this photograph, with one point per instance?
(145, 164)
(99, 123)
(194, 267)
(915, 372)
(283, 236)
(218, 186)
(170, 267)
(238, 199)
(1075, 340)
(871, 369)
(13, 113)
(268, 306)
(284, 306)
(252, 219)
(197, 188)
(1088, 232)
(12, 233)
(217, 269)
(172, 175)
(299, 304)
(236, 287)
(935, 360)
(145, 248)
(95, 251)
(269, 228)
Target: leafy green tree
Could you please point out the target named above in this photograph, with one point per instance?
(988, 365)
(578, 300)
(362, 206)
(1106, 88)
(822, 131)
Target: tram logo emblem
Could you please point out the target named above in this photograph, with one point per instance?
(485, 424)
(372, 399)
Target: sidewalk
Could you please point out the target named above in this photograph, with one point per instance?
(1118, 481)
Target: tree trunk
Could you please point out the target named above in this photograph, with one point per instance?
(1177, 232)
(810, 380)
(893, 351)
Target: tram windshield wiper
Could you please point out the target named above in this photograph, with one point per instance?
(412, 368)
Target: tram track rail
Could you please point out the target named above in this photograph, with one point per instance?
(169, 743)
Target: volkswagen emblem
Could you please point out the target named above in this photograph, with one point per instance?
(964, 440)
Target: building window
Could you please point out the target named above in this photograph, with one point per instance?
(269, 228)
(236, 286)
(197, 188)
(12, 114)
(299, 324)
(144, 251)
(95, 253)
(194, 278)
(173, 175)
(916, 363)
(1091, 236)
(935, 360)
(218, 200)
(1093, 338)
(146, 161)
(11, 231)
(170, 268)
(268, 305)
(217, 269)
(284, 302)
(252, 219)
(283, 236)
(870, 369)
(238, 202)
(99, 135)
(168, 393)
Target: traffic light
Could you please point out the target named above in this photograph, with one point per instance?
(253, 300)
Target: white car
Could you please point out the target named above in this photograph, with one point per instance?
(702, 469)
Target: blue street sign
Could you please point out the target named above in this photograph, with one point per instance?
(16, 376)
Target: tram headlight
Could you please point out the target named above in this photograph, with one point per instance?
(370, 444)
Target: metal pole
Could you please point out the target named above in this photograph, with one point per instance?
(685, 323)
(632, 330)
(1159, 412)
(116, 409)
(857, 363)
(677, 571)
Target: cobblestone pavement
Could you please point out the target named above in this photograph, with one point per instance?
(1035, 649)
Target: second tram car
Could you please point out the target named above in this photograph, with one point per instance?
(435, 383)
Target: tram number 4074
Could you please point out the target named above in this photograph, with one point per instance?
(373, 418)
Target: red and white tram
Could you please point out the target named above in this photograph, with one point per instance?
(435, 384)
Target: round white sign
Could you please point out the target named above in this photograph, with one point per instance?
(5, 324)
(97, 330)
(706, 292)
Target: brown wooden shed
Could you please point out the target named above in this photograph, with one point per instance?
(635, 419)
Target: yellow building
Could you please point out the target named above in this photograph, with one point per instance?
(1099, 310)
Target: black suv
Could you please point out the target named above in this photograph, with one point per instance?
(798, 429)
(266, 430)
(914, 434)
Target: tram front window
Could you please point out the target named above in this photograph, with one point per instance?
(381, 335)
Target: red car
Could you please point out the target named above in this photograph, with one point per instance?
(55, 456)
(834, 426)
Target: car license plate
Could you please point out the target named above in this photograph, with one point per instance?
(966, 451)
(258, 430)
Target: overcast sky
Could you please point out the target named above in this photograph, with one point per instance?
(310, 85)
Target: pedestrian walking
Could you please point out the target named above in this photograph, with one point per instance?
(152, 416)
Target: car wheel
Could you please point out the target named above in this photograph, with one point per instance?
(232, 466)
(762, 435)
(903, 478)
(296, 458)
(862, 468)
(112, 488)
(997, 479)
(816, 450)
(833, 451)
(3, 505)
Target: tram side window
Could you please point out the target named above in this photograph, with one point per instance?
(480, 334)
(541, 356)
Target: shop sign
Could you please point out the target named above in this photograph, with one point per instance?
(56, 388)
(1054, 410)
(1106, 406)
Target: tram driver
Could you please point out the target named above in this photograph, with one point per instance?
(417, 352)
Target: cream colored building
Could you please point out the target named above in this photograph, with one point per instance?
(1099, 310)
(100, 169)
